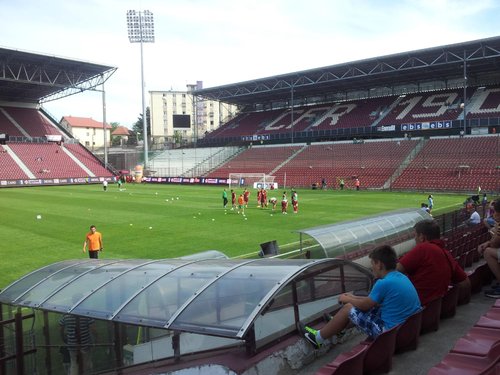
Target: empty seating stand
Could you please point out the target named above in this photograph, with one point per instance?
(478, 351)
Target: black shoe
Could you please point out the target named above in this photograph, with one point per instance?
(493, 292)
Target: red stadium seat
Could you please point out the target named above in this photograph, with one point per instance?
(491, 319)
(431, 315)
(408, 333)
(449, 302)
(379, 353)
(465, 364)
(477, 341)
(348, 363)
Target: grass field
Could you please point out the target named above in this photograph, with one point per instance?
(165, 221)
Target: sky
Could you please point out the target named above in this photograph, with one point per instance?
(228, 41)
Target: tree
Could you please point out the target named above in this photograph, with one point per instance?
(138, 127)
(115, 141)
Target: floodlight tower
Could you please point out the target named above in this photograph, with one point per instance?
(141, 30)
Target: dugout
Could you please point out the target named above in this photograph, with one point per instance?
(169, 313)
(353, 240)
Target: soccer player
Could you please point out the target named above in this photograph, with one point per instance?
(241, 204)
(259, 197)
(233, 200)
(263, 198)
(295, 202)
(246, 196)
(284, 204)
(224, 198)
(273, 201)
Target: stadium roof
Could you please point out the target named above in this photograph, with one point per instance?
(443, 63)
(178, 294)
(35, 78)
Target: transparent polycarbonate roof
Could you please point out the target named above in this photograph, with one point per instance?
(219, 297)
(340, 240)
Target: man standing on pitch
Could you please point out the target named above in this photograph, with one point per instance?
(94, 242)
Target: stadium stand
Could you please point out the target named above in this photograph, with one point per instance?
(7, 127)
(485, 102)
(10, 169)
(32, 121)
(454, 164)
(421, 107)
(88, 159)
(47, 160)
(372, 162)
(256, 160)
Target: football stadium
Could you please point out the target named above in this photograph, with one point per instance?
(217, 252)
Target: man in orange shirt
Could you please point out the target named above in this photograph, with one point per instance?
(94, 242)
(241, 204)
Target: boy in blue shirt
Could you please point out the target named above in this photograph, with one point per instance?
(391, 301)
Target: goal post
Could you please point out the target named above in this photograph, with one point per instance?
(251, 180)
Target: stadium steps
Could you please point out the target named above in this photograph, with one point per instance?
(405, 163)
(19, 162)
(220, 162)
(213, 161)
(78, 162)
(287, 160)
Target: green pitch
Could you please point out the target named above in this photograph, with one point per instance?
(166, 221)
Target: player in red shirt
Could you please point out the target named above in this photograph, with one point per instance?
(233, 200)
(246, 196)
(263, 198)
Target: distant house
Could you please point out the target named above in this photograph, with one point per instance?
(88, 131)
(121, 132)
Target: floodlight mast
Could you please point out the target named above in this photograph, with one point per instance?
(141, 30)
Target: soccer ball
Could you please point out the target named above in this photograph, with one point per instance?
(39, 217)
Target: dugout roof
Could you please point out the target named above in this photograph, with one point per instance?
(347, 238)
(413, 68)
(28, 77)
(178, 294)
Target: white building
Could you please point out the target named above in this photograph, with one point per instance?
(88, 131)
(178, 114)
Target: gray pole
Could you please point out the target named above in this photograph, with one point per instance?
(104, 125)
(144, 126)
(291, 104)
(465, 94)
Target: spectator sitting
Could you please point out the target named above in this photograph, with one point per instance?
(491, 250)
(430, 267)
(391, 301)
(474, 218)
(489, 222)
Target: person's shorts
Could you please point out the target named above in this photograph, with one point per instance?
(490, 221)
(367, 321)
